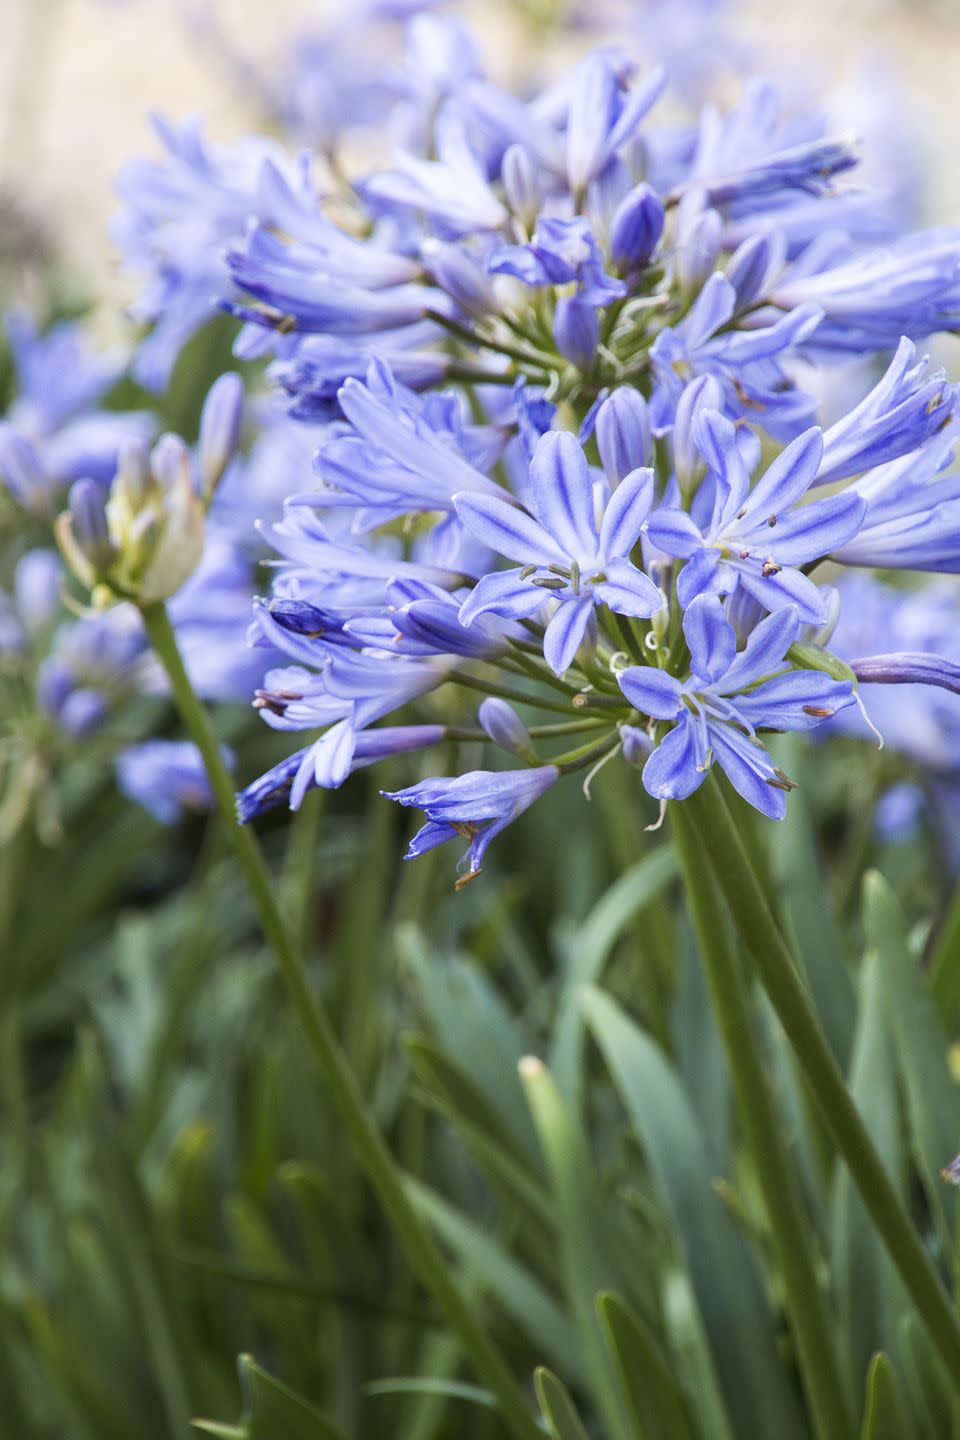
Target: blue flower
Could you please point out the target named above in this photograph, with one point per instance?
(904, 410)
(726, 699)
(476, 807)
(871, 299)
(560, 252)
(53, 432)
(745, 361)
(912, 518)
(167, 777)
(756, 538)
(564, 556)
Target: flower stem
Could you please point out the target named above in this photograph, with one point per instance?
(778, 972)
(376, 1160)
(763, 1133)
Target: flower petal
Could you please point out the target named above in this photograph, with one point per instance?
(562, 491)
(625, 514)
(629, 591)
(671, 772)
(562, 637)
(818, 528)
(652, 691)
(508, 529)
(764, 651)
(788, 477)
(748, 766)
(711, 638)
(787, 587)
(673, 532)
(503, 593)
(704, 574)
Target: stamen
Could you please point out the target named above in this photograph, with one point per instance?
(597, 768)
(858, 700)
(820, 711)
(649, 829)
(549, 582)
(770, 567)
(527, 571)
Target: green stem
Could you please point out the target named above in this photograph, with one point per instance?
(763, 1133)
(376, 1160)
(720, 840)
(508, 692)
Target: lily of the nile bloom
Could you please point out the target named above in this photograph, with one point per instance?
(564, 556)
(746, 362)
(167, 777)
(475, 807)
(912, 518)
(726, 699)
(911, 287)
(756, 538)
(53, 432)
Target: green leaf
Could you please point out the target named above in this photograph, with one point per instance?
(558, 1409)
(930, 1387)
(723, 1272)
(870, 1297)
(659, 1406)
(425, 1385)
(883, 1418)
(272, 1411)
(580, 1220)
(587, 949)
(933, 1103)
(521, 1296)
(803, 888)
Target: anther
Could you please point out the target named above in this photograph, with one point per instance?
(770, 567)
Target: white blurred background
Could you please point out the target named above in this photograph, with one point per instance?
(78, 77)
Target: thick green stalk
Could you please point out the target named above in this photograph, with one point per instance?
(376, 1160)
(778, 972)
(763, 1131)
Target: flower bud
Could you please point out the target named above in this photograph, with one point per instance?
(576, 331)
(23, 472)
(636, 744)
(522, 185)
(636, 229)
(220, 424)
(505, 728)
(36, 588)
(463, 278)
(689, 466)
(88, 526)
(623, 433)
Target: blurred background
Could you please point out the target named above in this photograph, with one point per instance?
(78, 78)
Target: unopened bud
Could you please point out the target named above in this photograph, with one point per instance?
(505, 728)
(522, 185)
(576, 331)
(623, 433)
(463, 278)
(88, 525)
(220, 425)
(636, 229)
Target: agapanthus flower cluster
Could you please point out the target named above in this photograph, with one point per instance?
(558, 362)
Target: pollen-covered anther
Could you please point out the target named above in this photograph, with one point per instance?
(821, 712)
(770, 568)
(771, 521)
(549, 582)
(527, 571)
(780, 781)
(462, 881)
(274, 700)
